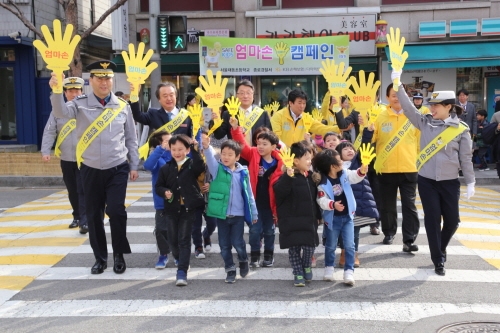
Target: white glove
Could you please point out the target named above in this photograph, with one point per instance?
(470, 190)
(396, 75)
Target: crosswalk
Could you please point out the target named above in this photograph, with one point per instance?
(45, 272)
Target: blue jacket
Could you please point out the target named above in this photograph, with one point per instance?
(158, 158)
(365, 202)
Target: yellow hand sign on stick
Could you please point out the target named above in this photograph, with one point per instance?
(195, 113)
(398, 57)
(364, 93)
(287, 157)
(337, 77)
(375, 111)
(275, 105)
(217, 123)
(366, 153)
(233, 106)
(307, 120)
(269, 109)
(281, 50)
(317, 115)
(242, 119)
(137, 68)
(58, 53)
(213, 91)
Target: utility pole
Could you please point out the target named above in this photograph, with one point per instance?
(154, 9)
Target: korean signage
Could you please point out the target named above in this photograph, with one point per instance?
(359, 28)
(278, 56)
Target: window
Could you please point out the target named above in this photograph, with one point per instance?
(193, 5)
(8, 105)
(7, 54)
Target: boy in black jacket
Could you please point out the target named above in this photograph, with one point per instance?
(177, 184)
(298, 213)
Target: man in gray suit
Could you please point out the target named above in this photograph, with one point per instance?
(469, 114)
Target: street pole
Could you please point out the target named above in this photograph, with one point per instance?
(155, 77)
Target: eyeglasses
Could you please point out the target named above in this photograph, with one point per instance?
(244, 93)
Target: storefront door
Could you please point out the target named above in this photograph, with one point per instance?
(8, 130)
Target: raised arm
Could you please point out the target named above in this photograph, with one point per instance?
(410, 111)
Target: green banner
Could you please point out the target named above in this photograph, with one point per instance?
(276, 56)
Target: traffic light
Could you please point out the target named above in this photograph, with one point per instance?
(178, 33)
(163, 38)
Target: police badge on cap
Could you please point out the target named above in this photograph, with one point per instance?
(418, 96)
(445, 97)
(73, 83)
(103, 68)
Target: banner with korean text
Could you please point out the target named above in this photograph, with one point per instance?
(277, 56)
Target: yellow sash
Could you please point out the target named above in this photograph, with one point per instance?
(97, 126)
(252, 118)
(389, 147)
(63, 134)
(439, 143)
(170, 127)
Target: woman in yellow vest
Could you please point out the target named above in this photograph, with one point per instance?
(446, 147)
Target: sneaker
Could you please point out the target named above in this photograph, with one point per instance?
(244, 269)
(328, 276)
(254, 259)
(231, 277)
(208, 244)
(308, 274)
(162, 262)
(268, 260)
(73, 224)
(374, 231)
(298, 281)
(198, 253)
(181, 279)
(313, 261)
(84, 229)
(349, 277)
(484, 169)
(176, 262)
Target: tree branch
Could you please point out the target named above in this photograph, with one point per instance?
(21, 17)
(94, 26)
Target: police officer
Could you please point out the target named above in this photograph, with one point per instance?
(72, 87)
(418, 100)
(108, 146)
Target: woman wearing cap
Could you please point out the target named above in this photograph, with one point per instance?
(446, 146)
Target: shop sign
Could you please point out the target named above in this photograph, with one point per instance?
(277, 56)
(359, 28)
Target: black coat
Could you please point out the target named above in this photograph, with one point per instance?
(225, 127)
(156, 118)
(365, 202)
(182, 183)
(298, 212)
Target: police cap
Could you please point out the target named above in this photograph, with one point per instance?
(418, 95)
(73, 83)
(102, 68)
(445, 97)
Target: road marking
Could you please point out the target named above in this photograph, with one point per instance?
(15, 282)
(52, 241)
(31, 259)
(360, 274)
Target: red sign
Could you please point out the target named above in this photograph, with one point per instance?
(144, 33)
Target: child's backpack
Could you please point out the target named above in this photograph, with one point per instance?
(489, 133)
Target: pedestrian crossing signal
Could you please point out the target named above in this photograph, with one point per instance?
(178, 42)
(163, 34)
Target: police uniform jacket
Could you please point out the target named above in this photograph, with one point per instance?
(156, 118)
(50, 133)
(445, 164)
(115, 144)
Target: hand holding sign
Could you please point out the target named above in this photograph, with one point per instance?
(366, 153)
(233, 106)
(58, 53)
(214, 90)
(195, 113)
(364, 93)
(398, 57)
(307, 120)
(317, 115)
(336, 77)
(136, 69)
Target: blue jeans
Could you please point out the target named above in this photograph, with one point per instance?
(231, 235)
(356, 239)
(344, 225)
(211, 224)
(265, 224)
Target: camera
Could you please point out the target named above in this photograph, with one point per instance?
(15, 34)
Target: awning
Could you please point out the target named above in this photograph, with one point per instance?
(367, 64)
(177, 63)
(451, 55)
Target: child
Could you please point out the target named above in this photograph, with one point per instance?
(331, 140)
(366, 208)
(159, 155)
(336, 199)
(181, 202)
(482, 148)
(264, 166)
(231, 201)
(298, 213)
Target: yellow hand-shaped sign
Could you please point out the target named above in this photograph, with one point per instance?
(213, 91)
(281, 50)
(307, 120)
(336, 76)
(287, 157)
(364, 93)
(217, 123)
(275, 105)
(398, 57)
(58, 53)
(137, 68)
(195, 113)
(242, 119)
(317, 115)
(375, 111)
(233, 106)
(366, 153)
(269, 109)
